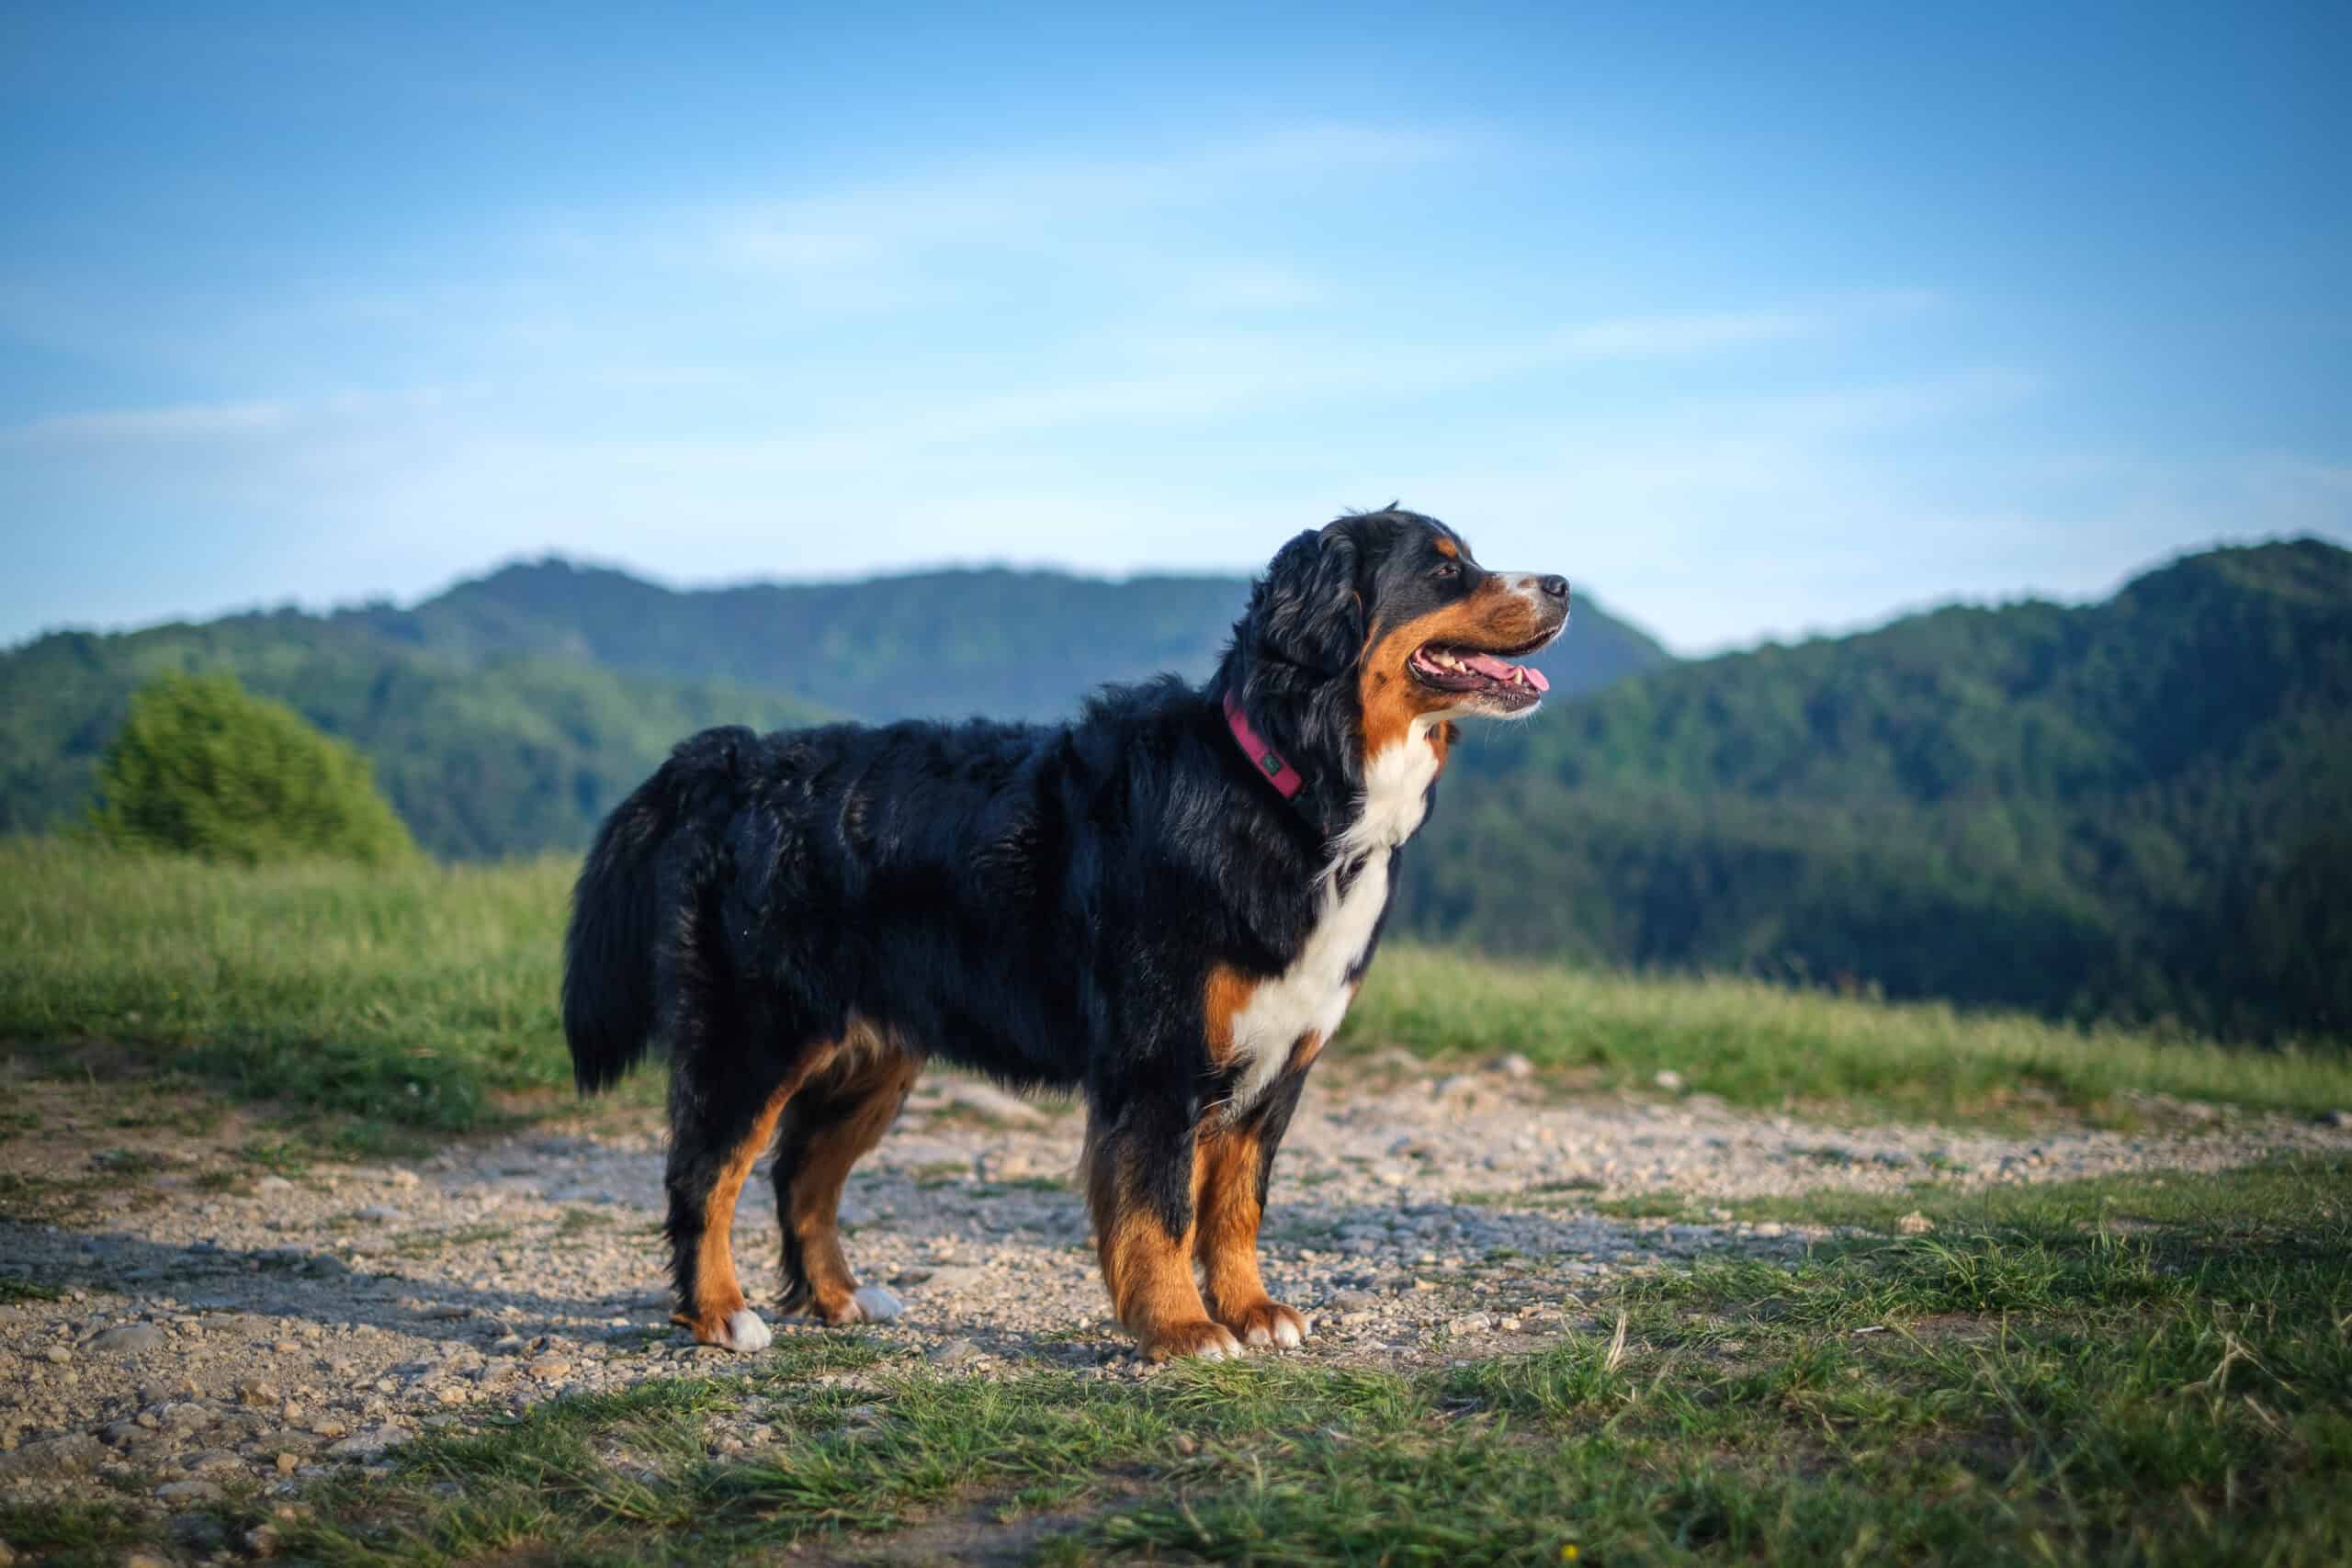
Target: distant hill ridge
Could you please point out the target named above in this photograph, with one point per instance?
(509, 713)
(947, 644)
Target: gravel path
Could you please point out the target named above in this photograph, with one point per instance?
(218, 1324)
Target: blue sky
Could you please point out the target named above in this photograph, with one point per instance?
(1753, 320)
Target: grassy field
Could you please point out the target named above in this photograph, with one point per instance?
(421, 1001)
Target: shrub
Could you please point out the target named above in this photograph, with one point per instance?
(203, 767)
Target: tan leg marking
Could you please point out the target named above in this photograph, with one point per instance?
(813, 1210)
(1149, 1272)
(1227, 1241)
(718, 1293)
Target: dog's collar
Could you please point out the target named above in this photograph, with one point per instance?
(1270, 764)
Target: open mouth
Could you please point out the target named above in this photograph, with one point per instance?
(1478, 673)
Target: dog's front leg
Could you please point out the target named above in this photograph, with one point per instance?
(1236, 1161)
(1144, 1176)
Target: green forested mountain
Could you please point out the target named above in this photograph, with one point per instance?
(2141, 806)
(996, 642)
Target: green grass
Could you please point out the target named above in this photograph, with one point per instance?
(2121, 1372)
(402, 997)
(422, 1000)
(1758, 1044)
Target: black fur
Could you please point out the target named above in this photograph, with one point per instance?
(1042, 903)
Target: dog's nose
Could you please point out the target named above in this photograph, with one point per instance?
(1555, 588)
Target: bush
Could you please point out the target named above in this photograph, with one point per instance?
(204, 768)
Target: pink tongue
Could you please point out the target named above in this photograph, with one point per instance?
(1489, 665)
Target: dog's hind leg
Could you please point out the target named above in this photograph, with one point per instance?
(829, 1127)
(717, 1130)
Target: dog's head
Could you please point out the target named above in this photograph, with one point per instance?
(1384, 624)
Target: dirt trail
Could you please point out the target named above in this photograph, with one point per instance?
(172, 1317)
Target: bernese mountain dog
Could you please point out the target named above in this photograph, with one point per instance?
(1165, 905)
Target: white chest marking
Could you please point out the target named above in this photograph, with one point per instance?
(1311, 997)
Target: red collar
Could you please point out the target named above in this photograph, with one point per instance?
(1270, 764)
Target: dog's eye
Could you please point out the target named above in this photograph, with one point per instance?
(1447, 570)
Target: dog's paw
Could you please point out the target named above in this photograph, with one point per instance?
(872, 1304)
(1271, 1324)
(1209, 1341)
(739, 1330)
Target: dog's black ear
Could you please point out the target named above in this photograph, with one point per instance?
(1310, 610)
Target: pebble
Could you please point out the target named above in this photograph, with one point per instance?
(954, 1353)
(1915, 1223)
(57, 1355)
(128, 1339)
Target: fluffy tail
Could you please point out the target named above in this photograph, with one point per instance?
(612, 952)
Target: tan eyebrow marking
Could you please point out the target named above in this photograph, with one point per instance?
(1446, 547)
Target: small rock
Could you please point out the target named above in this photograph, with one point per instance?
(273, 1184)
(1668, 1080)
(367, 1444)
(402, 1177)
(126, 1339)
(57, 1355)
(952, 1276)
(547, 1369)
(954, 1353)
(1771, 1228)
(380, 1214)
(1470, 1323)
(145, 1560)
(185, 1492)
(1915, 1223)
(987, 1099)
(288, 1463)
(2340, 1119)
(1515, 1066)
(262, 1540)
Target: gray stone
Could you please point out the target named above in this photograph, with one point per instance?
(987, 1099)
(188, 1492)
(372, 1441)
(128, 1339)
(952, 1276)
(954, 1353)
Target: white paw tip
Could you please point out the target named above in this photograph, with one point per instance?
(1260, 1335)
(1289, 1334)
(746, 1331)
(875, 1304)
